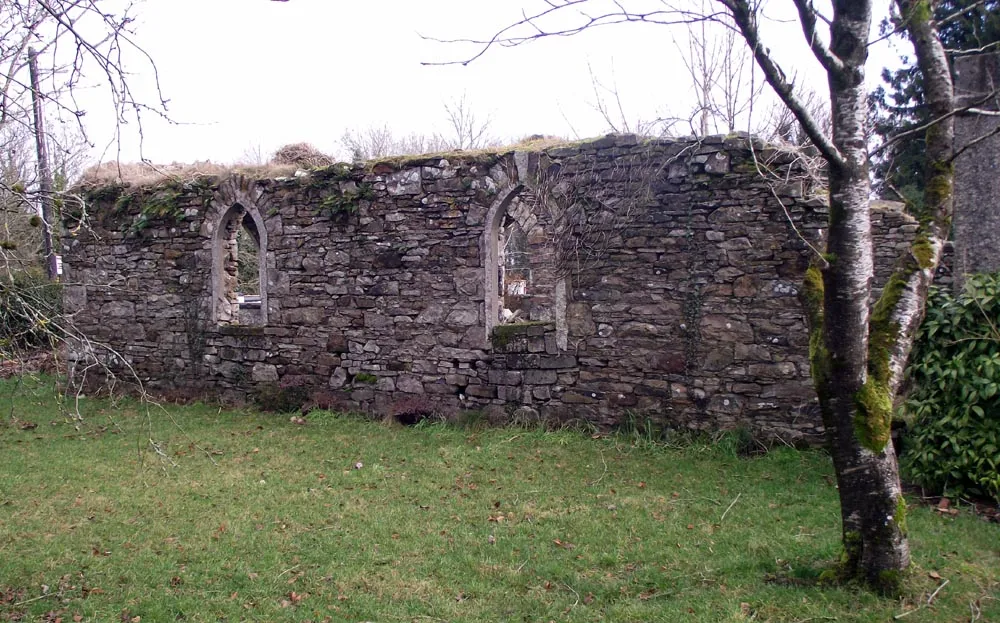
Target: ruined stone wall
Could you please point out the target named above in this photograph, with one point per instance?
(977, 168)
(670, 291)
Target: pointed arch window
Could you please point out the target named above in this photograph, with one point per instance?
(240, 268)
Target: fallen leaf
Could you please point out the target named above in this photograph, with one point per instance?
(934, 575)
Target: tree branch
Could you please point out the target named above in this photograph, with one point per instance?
(971, 108)
(974, 142)
(509, 36)
(807, 17)
(980, 50)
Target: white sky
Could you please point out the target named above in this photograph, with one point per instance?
(254, 74)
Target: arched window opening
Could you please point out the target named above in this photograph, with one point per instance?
(247, 260)
(514, 278)
(240, 296)
(522, 285)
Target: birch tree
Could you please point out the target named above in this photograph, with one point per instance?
(858, 350)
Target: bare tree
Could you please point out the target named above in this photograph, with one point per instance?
(79, 44)
(381, 142)
(608, 102)
(76, 41)
(857, 351)
(720, 68)
(467, 130)
(74, 44)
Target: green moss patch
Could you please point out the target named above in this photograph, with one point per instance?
(873, 421)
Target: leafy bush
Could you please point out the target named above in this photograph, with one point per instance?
(30, 307)
(954, 406)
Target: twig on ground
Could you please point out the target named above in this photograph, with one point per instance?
(731, 505)
(575, 593)
(39, 598)
(938, 590)
(604, 473)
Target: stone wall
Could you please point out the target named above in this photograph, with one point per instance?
(977, 168)
(663, 284)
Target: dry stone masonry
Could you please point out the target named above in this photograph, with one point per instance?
(604, 280)
(977, 168)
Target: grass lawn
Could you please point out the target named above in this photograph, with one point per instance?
(341, 519)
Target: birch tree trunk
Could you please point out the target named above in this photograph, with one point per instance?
(858, 352)
(855, 402)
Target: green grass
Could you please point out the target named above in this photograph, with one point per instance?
(265, 520)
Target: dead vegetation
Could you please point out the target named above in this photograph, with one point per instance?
(144, 174)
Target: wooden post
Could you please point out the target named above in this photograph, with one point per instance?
(44, 173)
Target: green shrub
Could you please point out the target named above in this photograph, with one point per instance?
(30, 310)
(954, 407)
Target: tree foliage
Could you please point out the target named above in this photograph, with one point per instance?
(954, 445)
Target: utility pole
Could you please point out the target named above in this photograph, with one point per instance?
(44, 173)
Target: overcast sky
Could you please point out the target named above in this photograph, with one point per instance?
(249, 75)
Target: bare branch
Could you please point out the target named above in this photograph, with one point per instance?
(511, 35)
(957, 110)
(958, 14)
(745, 20)
(975, 141)
(807, 16)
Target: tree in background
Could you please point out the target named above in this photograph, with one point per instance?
(466, 131)
(78, 45)
(899, 106)
(857, 351)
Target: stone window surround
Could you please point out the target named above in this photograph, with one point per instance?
(491, 265)
(218, 259)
